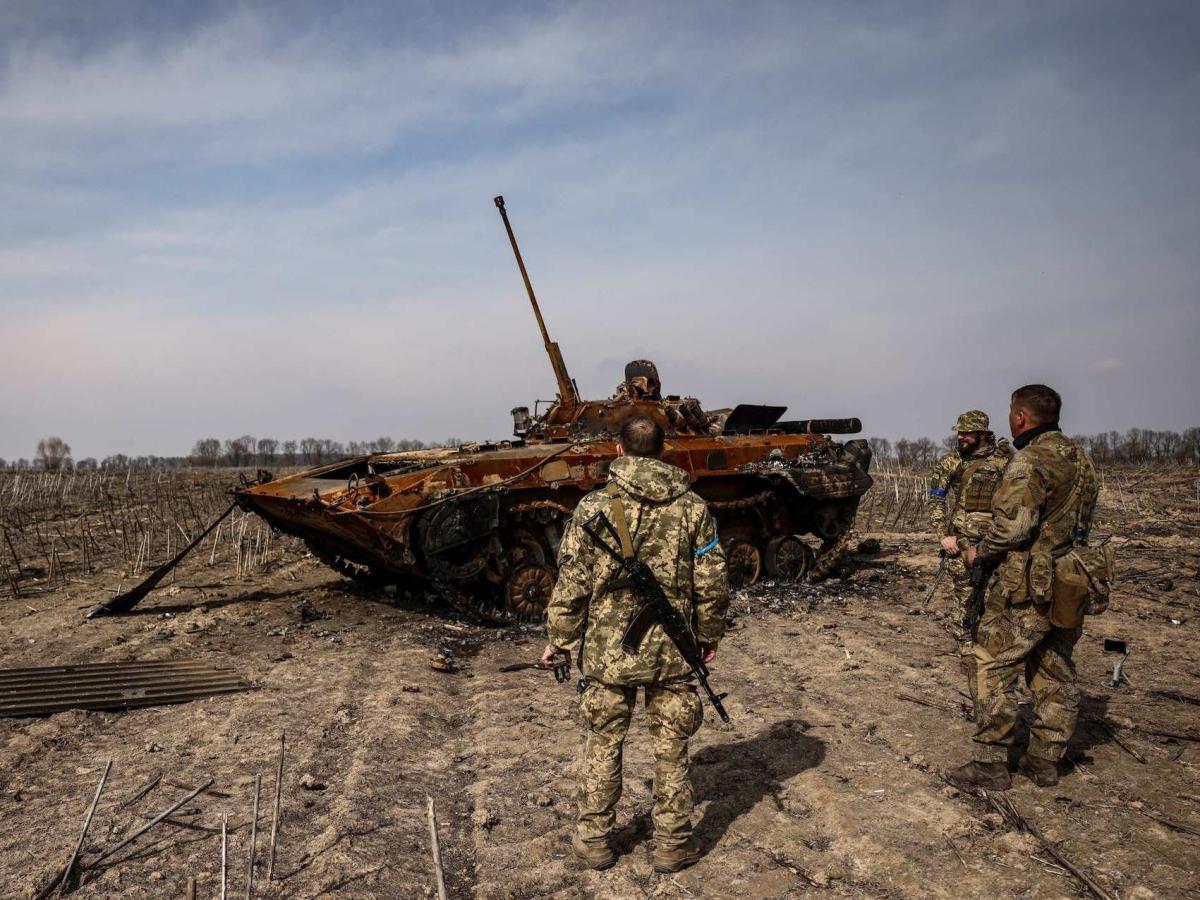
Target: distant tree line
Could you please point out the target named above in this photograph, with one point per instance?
(248, 450)
(54, 454)
(1136, 446)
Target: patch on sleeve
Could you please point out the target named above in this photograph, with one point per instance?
(711, 545)
(937, 492)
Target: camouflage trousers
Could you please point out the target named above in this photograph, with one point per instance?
(1014, 642)
(675, 713)
(960, 580)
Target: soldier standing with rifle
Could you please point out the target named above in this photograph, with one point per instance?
(646, 613)
(1045, 577)
(970, 472)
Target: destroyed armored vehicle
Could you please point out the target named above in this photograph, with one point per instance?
(484, 520)
(488, 517)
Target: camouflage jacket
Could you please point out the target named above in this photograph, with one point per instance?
(973, 480)
(1043, 505)
(674, 534)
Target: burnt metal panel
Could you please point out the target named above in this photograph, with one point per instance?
(717, 460)
(121, 685)
(749, 416)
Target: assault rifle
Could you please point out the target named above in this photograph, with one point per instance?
(981, 573)
(654, 609)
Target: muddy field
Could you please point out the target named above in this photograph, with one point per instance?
(845, 698)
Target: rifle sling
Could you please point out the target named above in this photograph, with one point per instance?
(617, 505)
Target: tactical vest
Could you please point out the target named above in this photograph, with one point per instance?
(977, 482)
(979, 479)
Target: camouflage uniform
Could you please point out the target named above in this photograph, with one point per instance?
(1041, 510)
(674, 533)
(972, 479)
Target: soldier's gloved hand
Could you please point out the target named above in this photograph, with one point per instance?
(548, 656)
(950, 545)
(710, 652)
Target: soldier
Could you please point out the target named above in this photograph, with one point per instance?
(672, 531)
(1042, 512)
(641, 382)
(972, 472)
(683, 413)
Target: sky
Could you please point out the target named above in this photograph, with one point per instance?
(277, 218)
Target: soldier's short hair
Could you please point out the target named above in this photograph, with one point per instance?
(1041, 402)
(642, 436)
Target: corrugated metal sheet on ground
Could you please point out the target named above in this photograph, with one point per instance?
(117, 685)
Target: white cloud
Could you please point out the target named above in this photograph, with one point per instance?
(1106, 366)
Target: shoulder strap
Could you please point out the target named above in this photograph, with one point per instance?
(967, 470)
(620, 521)
(1075, 495)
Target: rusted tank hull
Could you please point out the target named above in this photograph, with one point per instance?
(488, 518)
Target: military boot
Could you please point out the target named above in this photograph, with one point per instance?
(594, 856)
(1041, 771)
(673, 859)
(989, 776)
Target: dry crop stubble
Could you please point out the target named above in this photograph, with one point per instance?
(826, 785)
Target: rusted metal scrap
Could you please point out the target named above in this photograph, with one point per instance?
(119, 685)
(485, 519)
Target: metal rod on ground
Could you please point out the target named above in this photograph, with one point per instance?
(275, 811)
(143, 791)
(87, 823)
(224, 831)
(132, 597)
(1005, 807)
(253, 838)
(437, 851)
(191, 889)
(162, 815)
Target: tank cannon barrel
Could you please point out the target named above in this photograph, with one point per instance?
(568, 395)
(821, 426)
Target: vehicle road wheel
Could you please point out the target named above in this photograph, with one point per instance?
(744, 563)
(527, 591)
(788, 558)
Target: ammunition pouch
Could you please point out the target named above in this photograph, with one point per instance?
(1041, 575)
(1082, 582)
(1014, 577)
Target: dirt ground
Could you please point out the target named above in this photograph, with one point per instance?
(826, 785)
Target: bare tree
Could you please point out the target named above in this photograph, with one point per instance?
(266, 448)
(381, 445)
(310, 451)
(289, 453)
(206, 452)
(237, 451)
(52, 454)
